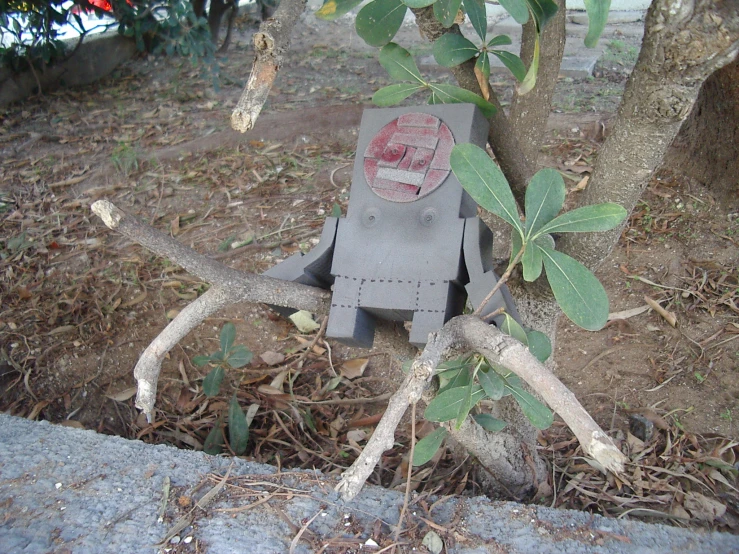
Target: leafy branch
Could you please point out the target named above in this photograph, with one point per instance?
(577, 291)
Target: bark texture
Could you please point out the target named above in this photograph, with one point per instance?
(684, 42)
(707, 147)
(529, 113)
(271, 44)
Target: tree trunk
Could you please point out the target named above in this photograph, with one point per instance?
(530, 112)
(707, 147)
(684, 42)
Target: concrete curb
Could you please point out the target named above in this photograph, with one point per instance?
(68, 490)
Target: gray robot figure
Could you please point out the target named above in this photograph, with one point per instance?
(410, 247)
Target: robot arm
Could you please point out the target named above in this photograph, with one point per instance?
(313, 268)
(477, 247)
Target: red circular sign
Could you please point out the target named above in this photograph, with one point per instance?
(409, 157)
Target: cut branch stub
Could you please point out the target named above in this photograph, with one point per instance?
(271, 43)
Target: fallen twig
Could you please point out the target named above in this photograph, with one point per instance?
(231, 286)
(472, 333)
(667, 316)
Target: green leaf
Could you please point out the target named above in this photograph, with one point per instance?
(511, 379)
(489, 423)
(529, 81)
(465, 407)
(531, 262)
(391, 95)
(454, 363)
(239, 356)
(478, 16)
(545, 241)
(597, 19)
(537, 413)
(450, 94)
(516, 244)
(379, 20)
(454, 378)
(212, 381)
(214, 441)
(399, 64)
(512, 62)
(217, 356)
(518, 10)
(492, 383)
(238, 429)
(543, 11)
(451, 50)
(335, 210)
(482, 65)
(485, 182)
(418, 3)
(539, 345)
(545, 196)
(598, 217)
(500, 40)
(446, 11)
(446, 405)
(333, 9)
(228, 335)
(428, 445)
(577, 291)
(200, 361)
(513, 328)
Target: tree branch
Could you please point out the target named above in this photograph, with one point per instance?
(271, 43)
(529, 113)
(249, 287)
(149, 365)
(468, 332)
(410, 391)
(231, 286)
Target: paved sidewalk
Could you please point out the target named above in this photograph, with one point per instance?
(65, 490)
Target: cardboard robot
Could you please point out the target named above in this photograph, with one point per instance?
(410, 247)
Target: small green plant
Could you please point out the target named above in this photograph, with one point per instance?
(618, 51)
(463, 383)
(125, 159)
(726, 415)
(233, 356)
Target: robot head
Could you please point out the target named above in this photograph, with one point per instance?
(409, 157)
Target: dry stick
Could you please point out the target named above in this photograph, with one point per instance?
(252, 288)
(271, 44)
(472, 333)
(149, 364)
(410, 474)
(231, 286)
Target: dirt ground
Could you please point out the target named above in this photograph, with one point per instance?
(80, 303)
